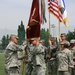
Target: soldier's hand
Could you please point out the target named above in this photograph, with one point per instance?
(25, 42)
(25, 61)
(74, 66)
(49, 42)
(60, 39)
(49, 56)
(25, 56)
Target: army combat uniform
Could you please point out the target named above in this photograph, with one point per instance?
(39, 61)
(11, 59)
(73, 52)
(29, 65)
(64, 61)
(51, 63)
(72, 48)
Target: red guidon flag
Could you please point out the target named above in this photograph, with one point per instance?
(33, 27)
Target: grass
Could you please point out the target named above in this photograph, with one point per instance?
(2, 64)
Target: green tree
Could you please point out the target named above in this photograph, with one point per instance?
(70, 35)
(21, 33)
(7, 39)
(4, 42)
(1, 46)
(44, 34)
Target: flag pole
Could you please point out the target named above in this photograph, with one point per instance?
(59, 25)
(49, 25)
(22, 64)
(59, 29)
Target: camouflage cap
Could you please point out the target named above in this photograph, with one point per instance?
(52, 38)
(65, 42)
(15, 36)
(42, 40)
(35, 38)
(63, 34)
(72, 41)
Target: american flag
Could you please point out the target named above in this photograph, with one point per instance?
(54, 9)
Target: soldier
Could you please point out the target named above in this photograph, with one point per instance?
(52, 49)
(63, 37)
(72, 48)
(11, 56)
(43, 44)
(38, 58)
(28, 59)
(64, 59)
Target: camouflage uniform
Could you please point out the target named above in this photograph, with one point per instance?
(20, 58)
(64, 60)
(72, 48)
(39, 62)
(11, 59)
(52, 65)
(29, 65)
(42, 42)
(73, 69)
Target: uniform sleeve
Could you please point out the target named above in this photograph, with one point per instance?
(11, 47)
(23, 46)
(46, 52)
(70, 59)
(38, 49)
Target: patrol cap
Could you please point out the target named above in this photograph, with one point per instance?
(65, 42)
(63, 34)
(52, 38)
(35, 39)
(72, 41)
(15, 36)
(42, 41)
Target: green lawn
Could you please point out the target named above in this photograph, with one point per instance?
(2, 64)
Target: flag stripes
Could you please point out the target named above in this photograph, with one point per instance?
(54, 9)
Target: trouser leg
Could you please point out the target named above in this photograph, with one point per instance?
(64, 73)
(29, 69)
(40, 70)
(14, 71)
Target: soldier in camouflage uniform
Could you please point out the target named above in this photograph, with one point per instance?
(72, 48)
(63, 37)
(64, 59)
(52, 49)
(43, 44)
(11, 56)
(28, 59)
(38, 58)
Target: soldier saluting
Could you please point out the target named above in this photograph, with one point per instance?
(11, 56)
(52, 49)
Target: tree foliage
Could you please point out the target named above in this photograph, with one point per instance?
(5, 41)
(44, 34)
(21, 33)
(70, 35)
